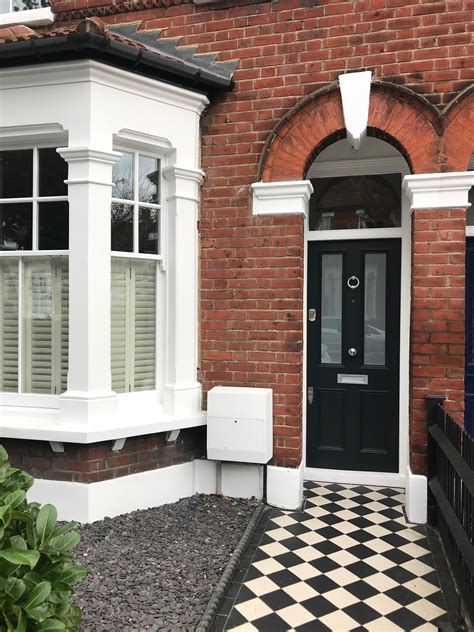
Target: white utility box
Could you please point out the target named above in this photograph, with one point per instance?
(240, 424)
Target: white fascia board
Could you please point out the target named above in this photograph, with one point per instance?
(438, 190)
(31, 424)
(355, 96)
(95, 72)
(30, 17)
(281, 198)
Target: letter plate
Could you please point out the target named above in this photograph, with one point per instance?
(348, 378)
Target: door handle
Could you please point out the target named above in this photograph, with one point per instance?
(310, 394)
(352, 352)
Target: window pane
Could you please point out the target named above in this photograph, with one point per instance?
(331, 309)
(148, 238)
(8, 325)
(16, 226)
(122, 227)
(356, 202)
(133, 325)
(148, 181)
(46, 321)
(374, 308)
(53, 225)
(16, 173)
(52, 173)
(122, 178)
(5, 6)
(25, 5)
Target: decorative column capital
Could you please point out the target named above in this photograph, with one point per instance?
(281, 198)
(438, 190)
(88, 165)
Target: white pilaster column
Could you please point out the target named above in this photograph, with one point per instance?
(89, 393)
(182, 392)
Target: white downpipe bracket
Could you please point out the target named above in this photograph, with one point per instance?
(355, 96)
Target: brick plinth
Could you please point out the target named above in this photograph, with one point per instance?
(437, 320)
(96, 462)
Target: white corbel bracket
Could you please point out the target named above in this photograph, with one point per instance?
(438, 190)
(281, 198)
(355, 96)
(118, 444)
(172, 435)
(56, 446)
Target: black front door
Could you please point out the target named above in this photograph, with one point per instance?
(353, 355)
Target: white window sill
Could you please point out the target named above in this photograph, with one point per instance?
(44, 425)
(31, 17)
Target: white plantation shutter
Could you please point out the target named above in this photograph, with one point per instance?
(45, 324)
(9, 325)
(133, 325)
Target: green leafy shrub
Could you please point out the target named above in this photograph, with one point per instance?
(36, 562)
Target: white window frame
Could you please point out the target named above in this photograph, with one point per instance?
(21, 398)
(28, 17)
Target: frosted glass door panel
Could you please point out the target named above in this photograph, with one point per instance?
(331, 308)
(374, 308)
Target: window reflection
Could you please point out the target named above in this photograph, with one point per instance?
(356, 202)
(16, 226)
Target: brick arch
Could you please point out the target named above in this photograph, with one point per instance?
(396, 114)
(458, 135)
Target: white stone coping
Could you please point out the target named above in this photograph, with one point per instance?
(439, 190)
(29, 17)
(281, 198)
(33, 424)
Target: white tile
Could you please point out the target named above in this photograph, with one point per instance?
(295, 615)
(381, 582)
(383, 604)
(379, 562)
(377, 531)
(245, 627)
(268, 566)
(308, 553)
(426, 627)
(347, 503)
(300, 591)
(345, 527)
(378, 545)
(314, 524)
(342, 576)
(343, 558)
(376, 518)
(383, 625)
(304, 571)
(261, 586)
(253, 609)
(340, 597)
(421, 587)
(273, 549)
(339, 621)
(425, 609)
(417, 568)
(311, 537)
(345, 514)
(344, 541)
(283, 521)
(414, 550)
(410, 534)
(279, 534)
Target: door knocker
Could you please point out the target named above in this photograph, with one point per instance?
(353, 282)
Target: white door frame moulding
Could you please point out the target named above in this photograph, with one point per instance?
(343, 168)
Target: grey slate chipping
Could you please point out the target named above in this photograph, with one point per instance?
(169, 47)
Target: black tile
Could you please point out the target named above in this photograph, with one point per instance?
(397, 556)
(334, 497)
(389, 491)
(402, 595)
(324, 564)
(225, 606)
(394, 539)
(218, 624)
(406, 619)
(313, 626)
(326, 547)
(277, 600)
(253, 573)
(361, 522)
(399, 574)
(361, 510)
(389, 502)
(361, 551)
(271, 623)
(297, 528)
(360, 569)
(361, 612)
(393, 526)
(361, 589)
(390, 513)
(360, 536)
(232, 589)
(318, 606)
(283, 578)
(328, 532)
(293, 544)
(330, 518)
(244, 594)
(322, 584)
(235, 619)
(288, 560)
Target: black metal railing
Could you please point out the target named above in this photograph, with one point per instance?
(451, 493)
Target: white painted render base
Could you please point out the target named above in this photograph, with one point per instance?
(285, 486)
(416, 501)
(353, 477)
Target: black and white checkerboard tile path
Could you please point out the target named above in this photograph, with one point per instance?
(347, 561)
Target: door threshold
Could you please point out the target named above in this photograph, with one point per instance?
(354, 477)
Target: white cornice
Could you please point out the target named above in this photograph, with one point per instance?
(133, 139)
(438, 190)
(19, 136)
(174, 172)
(281, 198)
(87, 154)
(95, 72)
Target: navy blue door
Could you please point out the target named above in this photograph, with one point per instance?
(469, 366)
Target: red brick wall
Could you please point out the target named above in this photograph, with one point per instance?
(437, 320)
(96, 462)
(252, 269)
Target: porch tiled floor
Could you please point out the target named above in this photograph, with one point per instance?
(348, 561)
